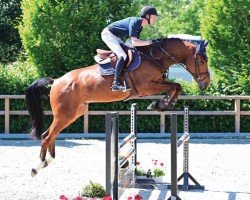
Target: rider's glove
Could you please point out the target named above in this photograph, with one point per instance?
(157, 43)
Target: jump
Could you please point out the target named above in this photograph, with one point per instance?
(70, 93)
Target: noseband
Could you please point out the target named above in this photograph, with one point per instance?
(198, 75)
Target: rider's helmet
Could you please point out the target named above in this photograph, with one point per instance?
(148, 10)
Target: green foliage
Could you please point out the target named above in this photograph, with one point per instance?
(139, 171)
(176, 17)
(226, 26)
(10, 44)
(93, 190)
(59, 36)
(158, 172)
(16, 77)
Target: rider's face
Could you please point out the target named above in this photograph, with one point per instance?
(153, 19)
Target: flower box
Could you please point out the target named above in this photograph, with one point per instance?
(158, 179)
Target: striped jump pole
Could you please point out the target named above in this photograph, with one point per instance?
(186, 175)
(113, 148)
(175, 144)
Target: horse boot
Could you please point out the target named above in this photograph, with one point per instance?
(160, 105)
(154, 106)
(116, 85)
(171, 104)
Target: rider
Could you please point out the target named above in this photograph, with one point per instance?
(132, 27)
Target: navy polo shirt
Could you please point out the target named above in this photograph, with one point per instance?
(130, 26)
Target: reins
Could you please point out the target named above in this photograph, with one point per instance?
(197, 73)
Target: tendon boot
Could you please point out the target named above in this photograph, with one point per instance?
(117, 86)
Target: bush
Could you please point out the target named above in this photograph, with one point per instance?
(63, 35)
(226, 27)
(16, 77)
(93, 190)
(10, 42)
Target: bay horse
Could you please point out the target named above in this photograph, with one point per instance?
(70, 93)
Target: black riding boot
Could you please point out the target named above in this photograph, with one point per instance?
(117, 86)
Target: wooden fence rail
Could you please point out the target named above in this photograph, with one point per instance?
(237, 112)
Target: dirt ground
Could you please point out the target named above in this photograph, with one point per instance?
(221, 165)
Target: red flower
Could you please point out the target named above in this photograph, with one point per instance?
(78, 198)
(62, 197)
(162, 164)
(107, 198)
(138, 197)
(130, 198)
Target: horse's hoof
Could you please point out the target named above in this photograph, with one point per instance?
(154, 106)
(45, 164)
(33, 172)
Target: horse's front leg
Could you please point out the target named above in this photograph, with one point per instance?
(167, 102)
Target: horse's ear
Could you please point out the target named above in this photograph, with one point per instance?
(205, 44)
(202, 43)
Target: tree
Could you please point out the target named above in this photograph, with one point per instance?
(226, 26)
(10, 43)
(59, 36)
(176, 17)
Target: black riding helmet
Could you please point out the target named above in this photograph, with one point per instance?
(148, 10)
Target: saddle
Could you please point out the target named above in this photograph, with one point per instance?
(105, 56)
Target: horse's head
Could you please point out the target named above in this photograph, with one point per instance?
(197, 65)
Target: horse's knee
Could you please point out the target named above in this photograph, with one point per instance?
(45, 134)
(178, 87)
(46, 141)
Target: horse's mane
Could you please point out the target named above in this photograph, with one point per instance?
(173, 39)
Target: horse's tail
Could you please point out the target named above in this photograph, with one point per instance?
(38, 90)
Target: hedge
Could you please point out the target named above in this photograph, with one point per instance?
(146, 124)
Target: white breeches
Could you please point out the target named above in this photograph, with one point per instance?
(113, 43)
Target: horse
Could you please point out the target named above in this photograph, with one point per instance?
(70, 94)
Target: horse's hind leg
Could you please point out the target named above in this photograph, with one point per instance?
(48, 138)
(48, 142)
(42, 164)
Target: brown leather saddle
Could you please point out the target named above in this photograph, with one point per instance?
(110, 55)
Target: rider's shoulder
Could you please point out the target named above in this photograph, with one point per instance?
(134, 20)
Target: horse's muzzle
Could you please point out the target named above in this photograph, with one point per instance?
(203, 85)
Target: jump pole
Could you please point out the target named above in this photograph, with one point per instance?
(113, 148)
(174, 186)
(174, 145)
(186, 175)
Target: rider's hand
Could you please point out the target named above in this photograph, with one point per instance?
(156, 43)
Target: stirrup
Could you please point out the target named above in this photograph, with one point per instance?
(127, 88)
(117, 87)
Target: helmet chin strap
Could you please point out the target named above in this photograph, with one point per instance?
(148, 19)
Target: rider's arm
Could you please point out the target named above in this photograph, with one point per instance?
(137, 42)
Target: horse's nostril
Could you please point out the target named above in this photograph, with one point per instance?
(202, 85)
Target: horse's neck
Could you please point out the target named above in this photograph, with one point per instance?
(174, 51)
(178, 49)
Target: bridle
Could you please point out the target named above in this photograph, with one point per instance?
(198, 75)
